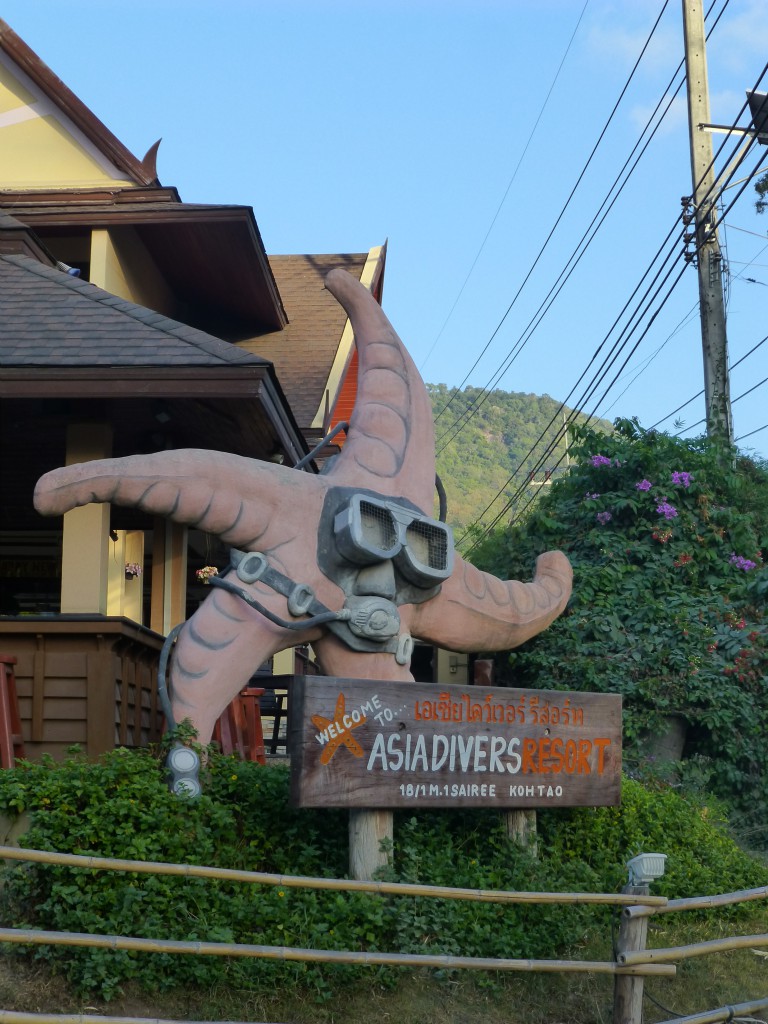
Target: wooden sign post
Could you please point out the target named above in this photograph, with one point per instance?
(365, 744)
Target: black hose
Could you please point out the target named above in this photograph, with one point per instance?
(314, 620)
(442, 498)
(162, 687)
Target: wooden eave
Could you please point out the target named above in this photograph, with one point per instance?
(212, 257)
(246, 392)
(143, 172)
(132, 381)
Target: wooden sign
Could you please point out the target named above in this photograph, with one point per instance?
(368, 744)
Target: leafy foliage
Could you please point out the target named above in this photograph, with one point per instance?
(490, 445)
(666, 538)
(761, 187)
(121, 807)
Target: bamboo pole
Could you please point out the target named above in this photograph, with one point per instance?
(647, 956)
(702, 902)
(27, 936)
(714, 1016)
(17, 1017)
(338, 884)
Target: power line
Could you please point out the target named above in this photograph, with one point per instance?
(567, 202)
(478, 401)
(612, 356)
(700, 393)
(744, 436)
(614, 352)
(506, 192)
(561, 280)
(733, 402)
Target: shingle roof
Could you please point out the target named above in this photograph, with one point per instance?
(9, 222)
(48, 318)
(304, 351)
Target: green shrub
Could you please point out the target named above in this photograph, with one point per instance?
(702, 857)
(120, 807)
(665, 536)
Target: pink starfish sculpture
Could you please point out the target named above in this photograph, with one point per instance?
(348, 560)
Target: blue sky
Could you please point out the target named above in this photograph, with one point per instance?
(456, 129)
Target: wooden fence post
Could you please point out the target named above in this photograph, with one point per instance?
(628, 989)
(522, 828)
(367, 829)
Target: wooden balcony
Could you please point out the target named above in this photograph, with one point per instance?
(84, 679)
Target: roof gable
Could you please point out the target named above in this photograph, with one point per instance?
(312, 354)
(48, 137)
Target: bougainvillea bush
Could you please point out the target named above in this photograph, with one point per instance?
(666, 537)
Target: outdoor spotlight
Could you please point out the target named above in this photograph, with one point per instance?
(646, 868)
(184, 766)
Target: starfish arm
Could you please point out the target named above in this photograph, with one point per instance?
(233, 497)
(477, 612)
(390, 446)
(219, 649)
(336, 659)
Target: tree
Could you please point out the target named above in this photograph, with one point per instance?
(666, 539)
(761, 187)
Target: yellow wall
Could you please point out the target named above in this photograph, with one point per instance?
(40, 147)
(121, 264)
(451, 668)
(124, 596)
(85, 554)
(169, 575)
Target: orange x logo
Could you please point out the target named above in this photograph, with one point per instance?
(338, 730)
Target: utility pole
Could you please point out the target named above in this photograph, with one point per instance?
(710, 260)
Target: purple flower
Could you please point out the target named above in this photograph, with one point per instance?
(644, 485)
(591, 497)
(683, 479)
(666, 510)
(604, 517)
(600, 460)
(742, 563)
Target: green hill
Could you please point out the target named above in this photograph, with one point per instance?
(483, 440)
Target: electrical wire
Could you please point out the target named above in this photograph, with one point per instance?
(721, 185)
(733, 402)
(479, 401)
(743, 436)
(586, 396)
(644, 366)
(567, 202)
(506, 192)
(731, 367)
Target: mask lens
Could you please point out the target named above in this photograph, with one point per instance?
(427, 557)
(377, 527)
(366, 531)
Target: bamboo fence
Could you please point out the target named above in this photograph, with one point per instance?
(647, 956)
(339, 884)
(27, 936)
(740, 1011)
(725, 899)
(15, 1017)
